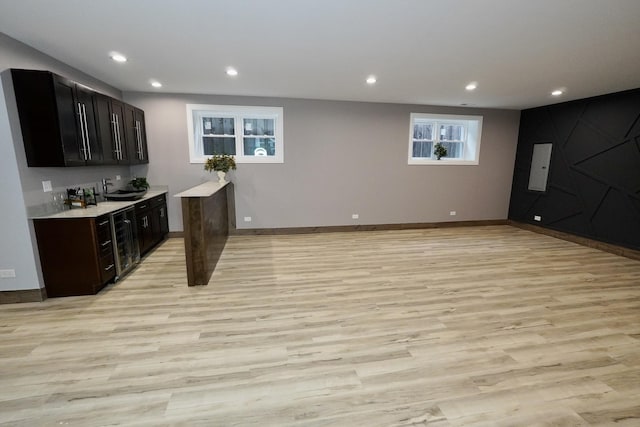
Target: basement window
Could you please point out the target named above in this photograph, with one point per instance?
(460, 136)
(251, 134)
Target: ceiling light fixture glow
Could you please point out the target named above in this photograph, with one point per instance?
(471, 86)
(371, 80)
(156, 83)
(118, 57)
(232, 72)
(557, 92)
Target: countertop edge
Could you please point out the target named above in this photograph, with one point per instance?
(103, 208)
(206, 189)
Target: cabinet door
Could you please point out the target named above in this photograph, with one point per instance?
(164, 220)
(145, 229)
(143, 153)
(110, 117)
(106, 131)
(156, 227)
(159, 220)
(118, 117)
(144, 226)
(86, 99)
(136, 135)
(70, 119)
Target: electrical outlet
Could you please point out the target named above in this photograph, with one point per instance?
(118, 177)
(537, 218)
(46, 186)
(452, 213)
(355, 216)
(7, 274)
(247, 219)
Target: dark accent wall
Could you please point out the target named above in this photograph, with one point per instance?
(594, 177)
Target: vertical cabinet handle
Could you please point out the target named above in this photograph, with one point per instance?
(86, 130)
(139, 138)
(116, 136)
(119, 138)
(114, 126)
(84, 143)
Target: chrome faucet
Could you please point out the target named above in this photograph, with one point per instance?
(106, 182)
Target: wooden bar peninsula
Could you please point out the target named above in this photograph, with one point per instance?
(208, 215)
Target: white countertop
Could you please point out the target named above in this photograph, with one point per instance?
(205, 189)
(102, 208)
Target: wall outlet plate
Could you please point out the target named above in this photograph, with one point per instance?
(46, 186)
(247, 219)
(7, 274)
(118, 177)
(355, 216)
(453, 213)
(537, 218)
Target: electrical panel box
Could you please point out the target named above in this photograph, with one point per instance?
(540, 167)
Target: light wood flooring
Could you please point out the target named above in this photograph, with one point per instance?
(481, 326)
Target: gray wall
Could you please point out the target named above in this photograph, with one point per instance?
(16, 251)
(340, 158)
(21, 186)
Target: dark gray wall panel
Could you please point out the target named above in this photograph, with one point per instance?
(594, 178)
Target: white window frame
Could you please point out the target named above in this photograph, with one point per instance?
(195, 113)
(471, 145)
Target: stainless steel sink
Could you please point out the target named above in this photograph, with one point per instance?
(125, 195)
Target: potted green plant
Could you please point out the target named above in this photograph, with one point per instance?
(439, 150)
(221, 163)
(139, 184)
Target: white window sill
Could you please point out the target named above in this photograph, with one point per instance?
(256, 159)
(443, 162)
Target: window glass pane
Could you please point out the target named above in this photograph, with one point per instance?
(451, 132)
(251, 134)
(218, 126)
(422, 149)
(454, 149)
(218, 145)
(259, 127)
(259, 147)
(423, 131)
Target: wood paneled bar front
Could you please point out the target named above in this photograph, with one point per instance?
(208, 215)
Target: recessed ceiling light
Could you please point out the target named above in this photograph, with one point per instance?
(155, 83)
(557, 92)
(371, 80)
(118, 57)
(232, 71)
(471, 86)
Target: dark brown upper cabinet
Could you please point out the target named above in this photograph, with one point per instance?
(111, 130)
(58, 120)
(67, 124)
(136, 135)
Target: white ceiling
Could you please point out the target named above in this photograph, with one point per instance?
(422, 51)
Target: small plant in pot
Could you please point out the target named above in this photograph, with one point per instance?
(439, 150)
(139, 184)
(221, 163)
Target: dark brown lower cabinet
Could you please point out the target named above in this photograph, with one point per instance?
(152, 222)
(76, 254)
